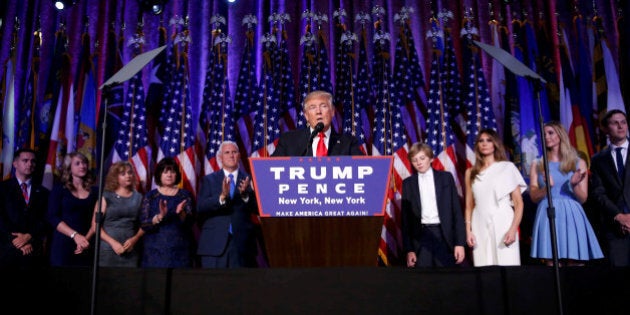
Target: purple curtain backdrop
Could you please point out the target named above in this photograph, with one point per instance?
(97, 16)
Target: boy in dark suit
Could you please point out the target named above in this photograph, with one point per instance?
(432, 221)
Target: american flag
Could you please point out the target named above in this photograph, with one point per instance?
(246, 90)
(363, 92)
(439, 123)
(308, 73)
(178, 137)
(266, 123)
(346, 89)
(315, 67)
(408, 77)
(283, 74)
(221, 108)
(475, 90)
(389, 139)
(132, 143)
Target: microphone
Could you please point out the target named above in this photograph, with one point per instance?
(318, 128)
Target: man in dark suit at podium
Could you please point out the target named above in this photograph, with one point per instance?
(23, 225)
(225, 205)
(319, 139)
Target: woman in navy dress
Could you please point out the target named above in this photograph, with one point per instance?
(577, 242)
(120, 231)
(70, 208)
(166, 217)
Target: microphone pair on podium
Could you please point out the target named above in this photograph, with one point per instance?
(317, 129)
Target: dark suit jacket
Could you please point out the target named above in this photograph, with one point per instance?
(608, 192)
(215, 219)
(295, 143)
(16, 216)
(449, 211)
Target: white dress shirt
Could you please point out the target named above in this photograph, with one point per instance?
(427, 198)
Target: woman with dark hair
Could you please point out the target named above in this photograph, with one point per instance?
(568, 178)
(494, 205)
(70, 207)
(166, 217)
(120, 205)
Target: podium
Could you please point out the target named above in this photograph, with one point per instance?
(321, 212)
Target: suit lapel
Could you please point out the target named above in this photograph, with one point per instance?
(415, 196)
(335, 140)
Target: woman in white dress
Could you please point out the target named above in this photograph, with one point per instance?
(494, 206)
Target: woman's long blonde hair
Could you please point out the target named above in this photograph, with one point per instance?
(567, 154)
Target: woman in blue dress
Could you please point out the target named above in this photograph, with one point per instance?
(577, 242)
(166, 217)
(70, 208)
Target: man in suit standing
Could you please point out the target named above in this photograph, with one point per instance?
(225, 205)
(610, 187)
(318, 110)
(23, 225)
(433, 227)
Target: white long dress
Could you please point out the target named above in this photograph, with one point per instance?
(493, 214)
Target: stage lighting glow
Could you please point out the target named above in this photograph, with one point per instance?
(231, 1)
(154, 6)
(63, 4)
(157, 9)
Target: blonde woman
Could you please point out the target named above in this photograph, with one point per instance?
(568, 178)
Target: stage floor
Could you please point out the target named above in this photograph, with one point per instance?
(357, 290)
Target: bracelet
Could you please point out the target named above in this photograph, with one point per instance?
(73, 234)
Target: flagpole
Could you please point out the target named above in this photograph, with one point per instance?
(551, 210)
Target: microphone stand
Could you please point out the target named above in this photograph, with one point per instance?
(98, 216)
(310, 143)
(551, 210)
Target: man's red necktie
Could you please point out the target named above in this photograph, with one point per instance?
(25, 192)
(321, 146)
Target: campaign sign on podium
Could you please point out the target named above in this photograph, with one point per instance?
(321, 211)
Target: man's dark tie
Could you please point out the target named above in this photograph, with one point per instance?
(620, 166)
(25, 192)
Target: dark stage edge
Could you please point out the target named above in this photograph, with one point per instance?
(356, 290)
